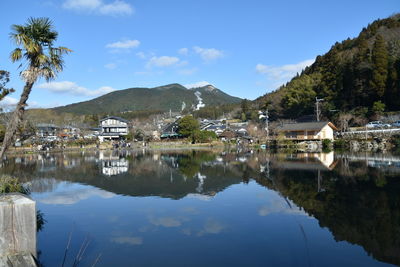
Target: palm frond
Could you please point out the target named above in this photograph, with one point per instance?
(16, 54)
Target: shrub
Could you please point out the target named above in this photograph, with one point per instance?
(396, 141)
(339, 143)
(9, 184)
(204, 136)
(326, 144)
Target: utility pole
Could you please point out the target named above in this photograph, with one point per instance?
(267, 124)
(317, 108)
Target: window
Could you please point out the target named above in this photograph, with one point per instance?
(291, 135)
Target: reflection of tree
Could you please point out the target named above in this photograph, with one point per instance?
(363, 210)
(190, 163)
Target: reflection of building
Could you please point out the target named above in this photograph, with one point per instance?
(318, 130)
(308, 161)
(113, 165)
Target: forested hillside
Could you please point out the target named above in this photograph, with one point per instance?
(173, 97)
(360, 75)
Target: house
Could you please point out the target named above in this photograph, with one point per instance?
(227, 135)
(171, 130)
(317, 130)
(69, 132)
(113, 128)
(47, 129)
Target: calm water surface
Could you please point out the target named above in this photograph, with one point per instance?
(200, 208)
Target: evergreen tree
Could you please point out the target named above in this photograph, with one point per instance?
(380, 66)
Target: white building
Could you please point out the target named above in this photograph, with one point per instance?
(113, 128)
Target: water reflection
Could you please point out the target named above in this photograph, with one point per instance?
(113, 164)
(226, 194)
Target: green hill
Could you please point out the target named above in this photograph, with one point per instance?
(164, 98)
(359, 75)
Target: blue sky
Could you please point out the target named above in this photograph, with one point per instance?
(245, 48)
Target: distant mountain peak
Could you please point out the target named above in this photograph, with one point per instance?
(210, 88)
(198, 85)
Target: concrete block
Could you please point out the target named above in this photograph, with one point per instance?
(17, 225)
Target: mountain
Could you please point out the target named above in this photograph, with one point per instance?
(360, 76)
(173, 97)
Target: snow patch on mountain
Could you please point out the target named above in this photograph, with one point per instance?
(197, 85)
(200, 104)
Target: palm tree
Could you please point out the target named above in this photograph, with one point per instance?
(34, 42)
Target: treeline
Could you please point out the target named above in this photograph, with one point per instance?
(360, 75)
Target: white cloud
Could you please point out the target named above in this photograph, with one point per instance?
(127, 44)
(208, 54)
(110, 66)
(8, 102)
(183, 51)
(141, 55)
(99, 7)
(116, 8)
(82, 4)
(197, 85)
(67, 87)
(163, 61)
(283, 73)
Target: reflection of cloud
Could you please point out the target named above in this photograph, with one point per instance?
(187, 231)
(200, 197)
(113, 219)
(72, 196)
(130, 240)
(191, 210)
(166, 221)
(212, 226)
(278, 205)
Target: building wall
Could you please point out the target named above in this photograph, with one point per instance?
(325, 133)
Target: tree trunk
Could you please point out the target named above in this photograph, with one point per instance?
(16, 119)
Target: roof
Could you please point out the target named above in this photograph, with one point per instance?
(316, 125)
(46, 125)
(171, 127)
(115, 118)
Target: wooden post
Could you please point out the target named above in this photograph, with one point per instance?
(17, 225)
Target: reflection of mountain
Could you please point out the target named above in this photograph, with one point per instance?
(357, 202)
(361, 208)
(144, 175)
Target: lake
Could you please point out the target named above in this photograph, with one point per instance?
(215, 208)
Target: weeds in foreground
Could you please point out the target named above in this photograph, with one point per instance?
(10, 184)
